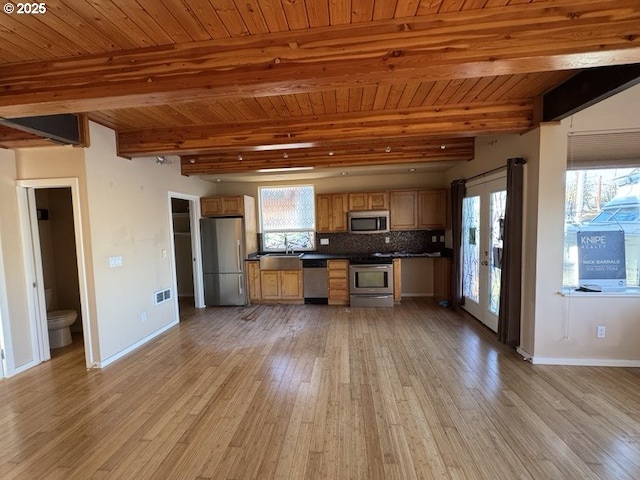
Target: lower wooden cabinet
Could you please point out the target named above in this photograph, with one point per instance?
(338, 273)
(442, 279)
(253, 281)
(397, 280)
(276, 285)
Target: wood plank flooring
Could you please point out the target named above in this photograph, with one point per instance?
(320, 392)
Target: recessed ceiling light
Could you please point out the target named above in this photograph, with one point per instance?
(412, 169)
(239, 158)
(388, 149)
(344, 173)
(331, 153)
(285, 155)
(218, 179)
(442, 147)
(193, 160)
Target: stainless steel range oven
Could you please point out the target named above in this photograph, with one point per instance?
(371, 285)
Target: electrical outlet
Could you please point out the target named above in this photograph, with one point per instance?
(601, 331)
(387, 239)
(434, 238)
(324, 241)
(143, 316)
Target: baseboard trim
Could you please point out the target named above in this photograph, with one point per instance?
(585, 362)
(10, 372)
(138, 344)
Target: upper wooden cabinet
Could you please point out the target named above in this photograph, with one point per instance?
(432, 209)
(417, 209)
(223, 205)
(331, 212)
(237, 206)
(368, 201)
(403, 212)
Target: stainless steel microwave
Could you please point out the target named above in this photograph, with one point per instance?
(369, 222)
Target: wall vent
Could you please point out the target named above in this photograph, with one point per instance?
(162, 296)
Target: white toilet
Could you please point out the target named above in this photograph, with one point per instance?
(58, 323)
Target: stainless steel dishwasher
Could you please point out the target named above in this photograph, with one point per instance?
(316, 285)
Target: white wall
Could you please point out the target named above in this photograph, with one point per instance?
(492, 152)
(124, 211)
(565, 327)
(555, 328)
(130, 217)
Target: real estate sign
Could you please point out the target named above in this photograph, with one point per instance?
(601, 258)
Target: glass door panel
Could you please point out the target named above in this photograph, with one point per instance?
(471, 247)
(497, 201)
(482, 227)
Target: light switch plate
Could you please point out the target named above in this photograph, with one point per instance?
(115, 262)
(324, 241)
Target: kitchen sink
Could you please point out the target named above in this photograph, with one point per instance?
(281, 261)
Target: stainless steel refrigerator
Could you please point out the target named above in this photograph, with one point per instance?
(223, 261)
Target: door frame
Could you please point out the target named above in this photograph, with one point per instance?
(6, 360)
(34, 278)
(481, 310)
(196, 249)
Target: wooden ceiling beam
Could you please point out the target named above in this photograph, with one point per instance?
(539, 36)
(13, 138)
(212, 166)
(328, 130)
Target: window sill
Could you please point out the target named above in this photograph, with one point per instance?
(571, 292)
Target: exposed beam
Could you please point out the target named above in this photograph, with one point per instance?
(329, 130)
(588, 88)
(12, 138)
(212, 166)
(539, 36)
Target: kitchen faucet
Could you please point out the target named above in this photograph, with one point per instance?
(286, 246)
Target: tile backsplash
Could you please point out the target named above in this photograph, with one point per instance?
(417, 241)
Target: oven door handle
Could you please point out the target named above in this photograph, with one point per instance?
(360, 267)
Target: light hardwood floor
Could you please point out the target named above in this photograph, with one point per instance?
(306, 391)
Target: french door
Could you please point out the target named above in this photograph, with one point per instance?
(482, 233)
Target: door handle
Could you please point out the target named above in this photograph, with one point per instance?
(240, 282)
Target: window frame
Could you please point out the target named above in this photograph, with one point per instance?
(570, 228)
(311, 231)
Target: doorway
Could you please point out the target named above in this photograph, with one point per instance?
(187, 273)
(482, 232)
(50, 216)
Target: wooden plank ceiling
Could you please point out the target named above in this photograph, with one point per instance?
(234, 86)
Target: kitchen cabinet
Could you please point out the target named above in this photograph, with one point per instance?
(219, 206)
(403, 210)
(253, 280)
(338, 273)
(331, 212)
(359, 201)
(417, 209)
(442, 280)
(432, 209)
(397, 280)
(281, 284)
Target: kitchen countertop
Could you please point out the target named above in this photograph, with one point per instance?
(346, 256)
